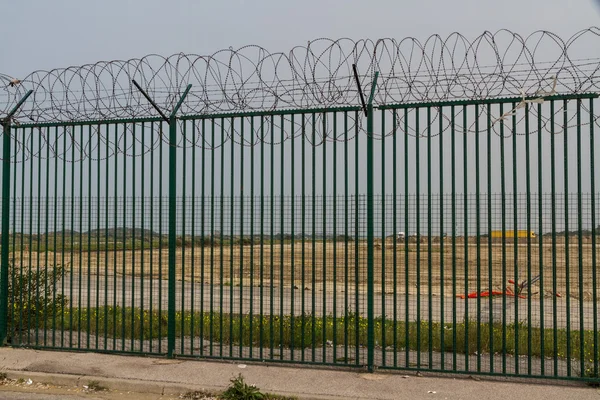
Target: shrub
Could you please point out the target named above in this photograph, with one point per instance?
(32, 297)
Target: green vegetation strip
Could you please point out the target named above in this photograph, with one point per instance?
(298, 331)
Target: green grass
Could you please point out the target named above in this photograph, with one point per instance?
(306, 331)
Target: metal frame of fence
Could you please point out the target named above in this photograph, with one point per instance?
(259, 251)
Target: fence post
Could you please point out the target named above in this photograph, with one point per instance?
(5, 230)
(173, 223)
(370, 235)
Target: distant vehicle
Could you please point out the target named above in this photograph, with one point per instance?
(400, 236)
(510, 234)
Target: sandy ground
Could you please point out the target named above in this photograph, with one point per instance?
(441, 265)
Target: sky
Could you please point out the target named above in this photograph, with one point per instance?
(41, 35)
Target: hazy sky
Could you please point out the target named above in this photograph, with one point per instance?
(39, 35)
(59, 33)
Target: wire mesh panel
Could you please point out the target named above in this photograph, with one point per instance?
(272, 215)
(87, 244)
(486, 256)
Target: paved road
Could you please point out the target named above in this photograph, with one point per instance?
(146, 293)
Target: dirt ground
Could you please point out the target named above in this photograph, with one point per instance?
(444, 264)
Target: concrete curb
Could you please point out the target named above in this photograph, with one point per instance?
(129, 385)
(125, 385)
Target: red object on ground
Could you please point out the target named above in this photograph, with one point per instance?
(474, 295)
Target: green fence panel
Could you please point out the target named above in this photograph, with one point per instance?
(273, 255)
(494, 263)
(450, 237)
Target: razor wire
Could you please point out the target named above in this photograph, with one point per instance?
(315, 76)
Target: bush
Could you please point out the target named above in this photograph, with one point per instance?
(32, 297)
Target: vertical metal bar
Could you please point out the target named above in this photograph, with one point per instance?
(346, 244)
(580, 243)
(262, 235)
(491, 323)
(281, 238)
(39, 232)
(5, 230)
(184, 169)
(15, 271)
(160, 240)
(242, 239)
(466, 235)
(515, 237)
(151, 309)
(54, 226)
(80, 277)
(383, 239)
(324, 235)
(503, 199)
(418, 225)
(293, 236)
(143, 226)
(395, 233)
(221, 234)
(429, 233)
(30, 245)
(252, 261)
(302, 228)
(231, 238)
(89, 241)
(442, 235)
(370, 235)
(211, 299)
(453, 215)
(335, 245)
(541, 239)
(478, 234)
(553, 207)
(193, 237)
(98, 149)
(356, 242)
(133, 239)
(62, 234)
(22, 241)
(567, 252)
(529, 266)
(271, 238)
(593, 218)
(204, 241)
(106, 191)
(124, 270)
(172, 233)
(46, 228)
(313, 240)
(406, 236)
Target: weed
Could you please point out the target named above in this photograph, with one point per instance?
(95, 386)
(240, 390)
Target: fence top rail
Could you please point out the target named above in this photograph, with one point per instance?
(272, 113)
(476, 102)
(89, 123)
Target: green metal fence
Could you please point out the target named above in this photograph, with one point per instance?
(457, 237)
